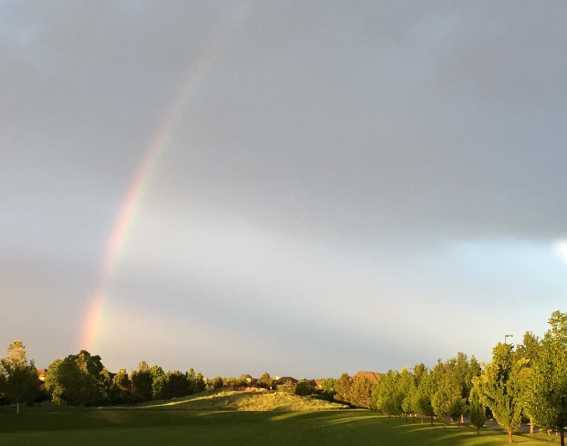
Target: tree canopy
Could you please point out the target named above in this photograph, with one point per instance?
(19, 380)
(500, 387)
(546, 395)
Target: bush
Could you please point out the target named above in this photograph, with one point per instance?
(217, 383)
(265, 381)
(121, 388)
(327, 389)
(178, 384)
(305, 387)
(343, 388)
(71, 381)
(234, 383)
(196, 381)
(142, 383)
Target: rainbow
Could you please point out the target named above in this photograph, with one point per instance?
(92, 320)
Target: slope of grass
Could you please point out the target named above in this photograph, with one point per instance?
(252, 400)
(141, 427)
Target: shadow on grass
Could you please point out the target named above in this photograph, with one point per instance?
(400, 432)
(253, 428)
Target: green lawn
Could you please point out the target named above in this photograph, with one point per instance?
(138, 427)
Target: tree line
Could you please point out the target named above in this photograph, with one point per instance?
(521, 383)
(82, 379)
(526, 382)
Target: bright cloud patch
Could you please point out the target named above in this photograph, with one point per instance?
(560, 248)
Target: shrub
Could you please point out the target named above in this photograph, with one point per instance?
(216, 383)
(305, 387)
(265, 381)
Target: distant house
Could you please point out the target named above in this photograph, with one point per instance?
(285, 380)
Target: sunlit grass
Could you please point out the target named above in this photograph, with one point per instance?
(253, 400)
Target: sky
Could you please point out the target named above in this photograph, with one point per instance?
(305, 187)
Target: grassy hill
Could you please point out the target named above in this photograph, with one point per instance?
(250, 400)
(145, 427)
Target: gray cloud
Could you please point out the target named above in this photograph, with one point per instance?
(336, 149)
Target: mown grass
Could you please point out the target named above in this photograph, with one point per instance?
(140, 427)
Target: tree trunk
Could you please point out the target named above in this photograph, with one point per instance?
(562, 433)
(431, 419)
(17, 408)
(462, 419)
(531, 426)
(509, 435)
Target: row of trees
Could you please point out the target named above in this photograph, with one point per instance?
(529, 380)
(355, 390)
(443, 391)
(523, 382)
(82, 379)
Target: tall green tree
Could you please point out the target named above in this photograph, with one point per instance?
(419, 371)
(2, 384)
(530, 350)
(343, 388)
(391, 391)
(361, 391)
(530, 347)
(16, 352)
(327, 390)
(407, 404)
(216, 383)
(78, 380)
(196, 381)
(121, 388)
(547, 388)
(447, 400)
(500, 386)
(305, 387)
(558, 326)
(454, 381)
(265, 381)
(142, 381)
(422, 395)
(406, 383)
(477, 412)
(159, 383)
(20, 381)
(177, 384)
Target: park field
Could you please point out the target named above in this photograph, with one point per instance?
(161, 426)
